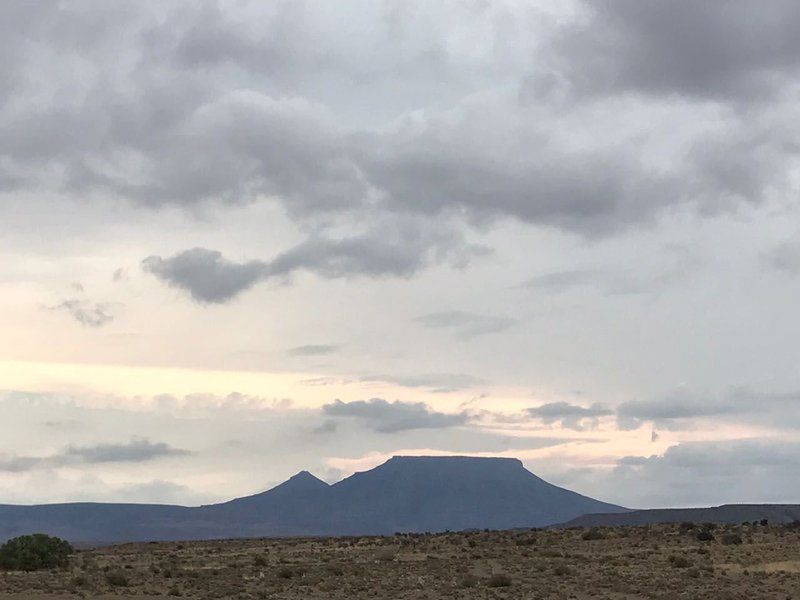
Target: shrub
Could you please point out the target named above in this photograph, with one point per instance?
(386, 554)
(730, 539)
(562, 570)
(680, 562)
(34, 552)
(260, 561)
(704, 535)
(593, 534)
(286, 573)
(499, 580)
(117, 578)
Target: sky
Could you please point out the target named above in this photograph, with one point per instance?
(242, 239)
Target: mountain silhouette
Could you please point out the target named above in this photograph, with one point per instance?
(406, 494)
(726, 513)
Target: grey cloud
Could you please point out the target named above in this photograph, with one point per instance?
(138, 450)
(558, 281)
(313, 350)
(710, 473)
(437, 382)
(465, 324)
(718, 50)
(785, 257)
(683, 409)
(571, 416)
(246, 93)
(396, 251)
(392, 417)
(615, 281)
(326, 427)
(205, 274)
(87, 313)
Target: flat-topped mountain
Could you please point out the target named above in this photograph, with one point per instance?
(408, 494)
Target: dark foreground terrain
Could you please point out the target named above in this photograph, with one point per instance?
(660, 561)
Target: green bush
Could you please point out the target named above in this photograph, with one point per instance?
(34, 552)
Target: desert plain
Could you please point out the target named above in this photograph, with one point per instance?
(686, 561)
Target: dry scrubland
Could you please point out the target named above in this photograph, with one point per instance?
(665, 561)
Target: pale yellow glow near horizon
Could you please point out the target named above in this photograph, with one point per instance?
(135, 382)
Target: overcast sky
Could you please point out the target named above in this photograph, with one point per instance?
(241, 239)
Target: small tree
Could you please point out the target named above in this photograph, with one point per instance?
(34, 552)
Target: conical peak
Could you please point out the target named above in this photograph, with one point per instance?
(304, 477)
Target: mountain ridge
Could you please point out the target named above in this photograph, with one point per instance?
(730, 513)
(405, 493)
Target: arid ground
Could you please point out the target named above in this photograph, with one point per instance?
(666, 561)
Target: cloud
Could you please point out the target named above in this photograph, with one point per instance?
(465, 324)
(326, 427)
(205, 274)
(704, 51)
(399, 250)
(393, 417)
(684, 409)
(87, 313)
(713, 472)
(437, 382)
(570, 416)
(785, 257)
(313, 350)
(559, 281)
(285, 104)
(138, 450)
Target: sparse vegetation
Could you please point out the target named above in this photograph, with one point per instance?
(662, 562)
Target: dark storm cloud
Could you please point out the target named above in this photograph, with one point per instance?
(571, 416)
(729, 50)
(466, 324)
(189, 104)
(396, 251)
(313, 350)
(86, 313)
(392, 417)
(138, 450)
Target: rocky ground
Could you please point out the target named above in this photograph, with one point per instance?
(665, 561)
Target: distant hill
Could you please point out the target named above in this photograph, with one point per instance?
(408, 494)
(727, 513)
